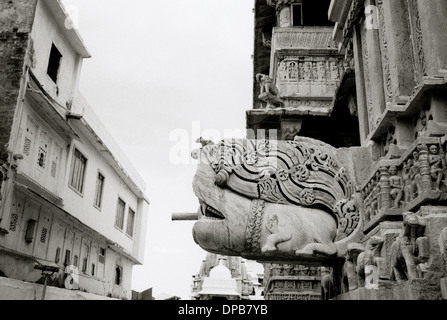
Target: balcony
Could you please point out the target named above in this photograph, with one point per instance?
(306, 68)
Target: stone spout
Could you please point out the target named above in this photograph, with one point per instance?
(185, 216)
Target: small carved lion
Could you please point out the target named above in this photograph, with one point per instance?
(370, 257)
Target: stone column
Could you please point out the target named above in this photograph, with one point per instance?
(385, 197)
(432, 15)
(374, 72)
(424, 166)
(396, 49)
(360, 86)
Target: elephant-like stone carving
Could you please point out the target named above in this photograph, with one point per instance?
(274, 201)
(371, 258)
(410, 251)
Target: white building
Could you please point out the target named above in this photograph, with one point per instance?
(69, 197)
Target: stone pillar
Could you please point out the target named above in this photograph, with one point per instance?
(385, 197)
(432, 15)
(360, 86)
(373, 72)
(396, 49)
(424, 166)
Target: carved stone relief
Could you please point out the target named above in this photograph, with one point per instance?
(299, 76)
(421, 173)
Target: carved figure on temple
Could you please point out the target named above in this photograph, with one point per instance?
(322, 71)
(312, 215)
(370, 257)
(436, 169)
(350, 279)
(314, 71)
(278, 235)
(301, 70)
(269, 92)
(282, 71)
(335, 71)
(396, 186)
(293, 70)
(204, 142)
(423, 124)
(327, 286)
(410, 252)
(307, 71)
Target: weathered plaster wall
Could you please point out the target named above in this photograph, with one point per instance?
(45, 32)
(16, 19)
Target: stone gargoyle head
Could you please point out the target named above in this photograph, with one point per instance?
(274, 200)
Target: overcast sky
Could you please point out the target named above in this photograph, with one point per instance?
(158, 69)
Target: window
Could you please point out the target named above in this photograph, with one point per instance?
(93, 269)
(84, 265)
(54, 63)
(102, 255)
(58, 255)
(311, 13)
(75, 260)
(118, 275)
(297, 14)
(77, 175)
(67, 258)
(43, 235)
(119, 221)
(30, 230)
(99, 190)
(130, 222)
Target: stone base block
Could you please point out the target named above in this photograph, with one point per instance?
(444, 288)
(418, 289)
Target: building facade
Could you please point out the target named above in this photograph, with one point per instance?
(73, 210)
(369, 78)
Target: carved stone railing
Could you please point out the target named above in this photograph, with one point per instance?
(418, 177)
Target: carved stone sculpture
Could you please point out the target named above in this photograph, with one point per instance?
(327, 286)
(396, 186)
(350, 279)
(436, 169)
(269, 92)
(409, 253)
(204, 142)
(370, 257)
(267, 200)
